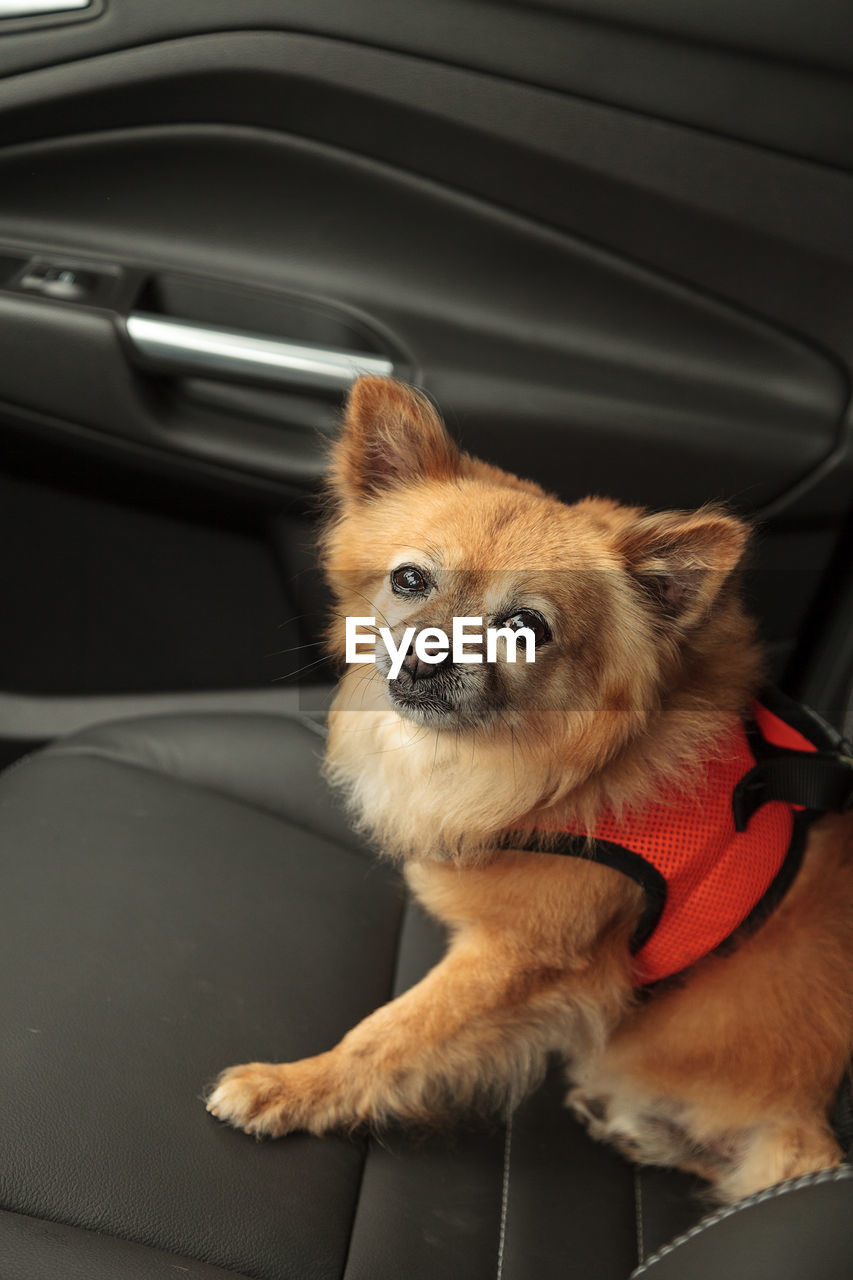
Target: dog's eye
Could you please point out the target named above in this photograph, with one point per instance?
(409, 579)
(533, 621)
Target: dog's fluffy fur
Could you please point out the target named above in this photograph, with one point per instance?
(729, 1073)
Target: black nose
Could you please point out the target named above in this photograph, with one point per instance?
(417, 669)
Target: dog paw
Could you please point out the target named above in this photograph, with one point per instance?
(258, 1098)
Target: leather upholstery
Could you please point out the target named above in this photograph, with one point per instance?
(798, 1229)
(178, 894)
(157, 930)
(31, 1249)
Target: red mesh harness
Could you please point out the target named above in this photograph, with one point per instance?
(723, 855)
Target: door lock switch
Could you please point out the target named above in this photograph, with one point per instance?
(56, 281)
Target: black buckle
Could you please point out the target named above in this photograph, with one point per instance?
(821, 781)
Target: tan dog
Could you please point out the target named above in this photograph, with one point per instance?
(644, 661)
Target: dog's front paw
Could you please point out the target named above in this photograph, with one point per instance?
(259, 1098)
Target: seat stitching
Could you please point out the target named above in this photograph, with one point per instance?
(840, 1174)
(638, 1213)
(370, 1141)
(505, 1192)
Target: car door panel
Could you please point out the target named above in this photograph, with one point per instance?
(611, 239)
(613, 245)
(697, 401)
(775, 74)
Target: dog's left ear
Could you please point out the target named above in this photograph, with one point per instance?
(681, 560)
(391, 436)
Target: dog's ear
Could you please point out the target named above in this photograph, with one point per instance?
(681, 560)
(391, 436)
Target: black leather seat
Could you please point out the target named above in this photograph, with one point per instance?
(180, 893)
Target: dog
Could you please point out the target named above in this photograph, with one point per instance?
(475, 775)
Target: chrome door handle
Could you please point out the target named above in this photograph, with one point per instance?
(34, 8)
(179, 346)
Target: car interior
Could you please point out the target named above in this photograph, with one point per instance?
(611, 239)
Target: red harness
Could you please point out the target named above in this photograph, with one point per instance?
(711, 860)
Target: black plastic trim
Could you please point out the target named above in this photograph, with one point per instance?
(666, 70)
(562, 339)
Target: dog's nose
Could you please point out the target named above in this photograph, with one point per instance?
(417, 669)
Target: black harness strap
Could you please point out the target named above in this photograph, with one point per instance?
(821, 781)
(841, 1117)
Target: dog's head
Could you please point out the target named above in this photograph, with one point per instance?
(425, 535)
(622, 612)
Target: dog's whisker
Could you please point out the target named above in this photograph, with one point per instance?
(376, 610)
(298, 617)
(541, 735)
(434, 759)
(310, 644)
(507, 725)
(400, 746)
(291, 675)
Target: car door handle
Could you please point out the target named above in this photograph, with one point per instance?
(35, 8)
(182, 347)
